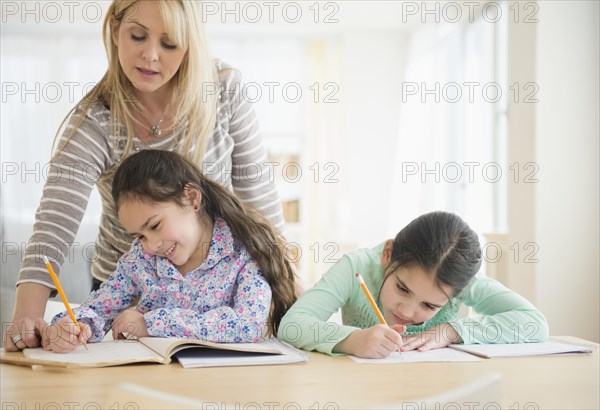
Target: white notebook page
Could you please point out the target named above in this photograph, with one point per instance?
(435, 355)
(524, 349)
(126, 351)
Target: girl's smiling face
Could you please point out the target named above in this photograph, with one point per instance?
(167, 230)
(409, 294)
(148, 57)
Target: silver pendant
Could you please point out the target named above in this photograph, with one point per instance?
(155, 131)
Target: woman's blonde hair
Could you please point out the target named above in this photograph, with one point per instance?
(194, 87)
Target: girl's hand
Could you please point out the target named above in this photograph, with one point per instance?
(129, 321)
(373, 343)
(65, 336)
(434, 338)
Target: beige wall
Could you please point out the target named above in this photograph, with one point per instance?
(521, 153)
(566, 144)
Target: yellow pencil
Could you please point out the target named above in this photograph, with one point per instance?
(371, 300)
(63, 296)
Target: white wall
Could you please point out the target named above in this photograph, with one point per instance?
(567, 154)
(372, 86)
(522, 249)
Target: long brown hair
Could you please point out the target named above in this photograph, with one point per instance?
(161, 176)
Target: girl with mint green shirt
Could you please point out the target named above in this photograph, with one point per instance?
(419, 280)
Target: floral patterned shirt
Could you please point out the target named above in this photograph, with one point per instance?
(225, 299)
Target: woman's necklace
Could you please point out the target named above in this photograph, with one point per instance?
(155, 130)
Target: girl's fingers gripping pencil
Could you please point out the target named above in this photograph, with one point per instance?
(63, 296)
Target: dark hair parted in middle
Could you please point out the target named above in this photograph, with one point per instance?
(443, 245)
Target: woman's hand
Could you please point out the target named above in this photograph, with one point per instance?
(24, 332)
(65, 336)
(435, 338)
(129, 321)
(27, 324)
(375, 342)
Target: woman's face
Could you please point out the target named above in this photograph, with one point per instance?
(148, 57)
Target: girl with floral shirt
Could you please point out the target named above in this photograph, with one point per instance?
(202, 266)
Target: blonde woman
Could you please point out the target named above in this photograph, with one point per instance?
(162, 90)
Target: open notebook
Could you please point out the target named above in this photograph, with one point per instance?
(473, 352)
(435, 355)
(195, 353)
(552, 346)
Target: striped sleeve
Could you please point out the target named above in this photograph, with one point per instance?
(73, 172)
(251, 178)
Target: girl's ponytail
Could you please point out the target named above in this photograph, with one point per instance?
(266, 246)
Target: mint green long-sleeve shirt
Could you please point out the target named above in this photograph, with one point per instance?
(503, 315)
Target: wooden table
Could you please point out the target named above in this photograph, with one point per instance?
(543, 382)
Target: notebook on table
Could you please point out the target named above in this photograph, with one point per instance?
(435, 355)
(553, 346)
(474, 352)
(195, 353)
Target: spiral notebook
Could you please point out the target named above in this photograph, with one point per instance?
(553, 346)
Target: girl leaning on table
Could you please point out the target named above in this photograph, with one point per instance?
(202, 265)
(162, 90)
(419, 279)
